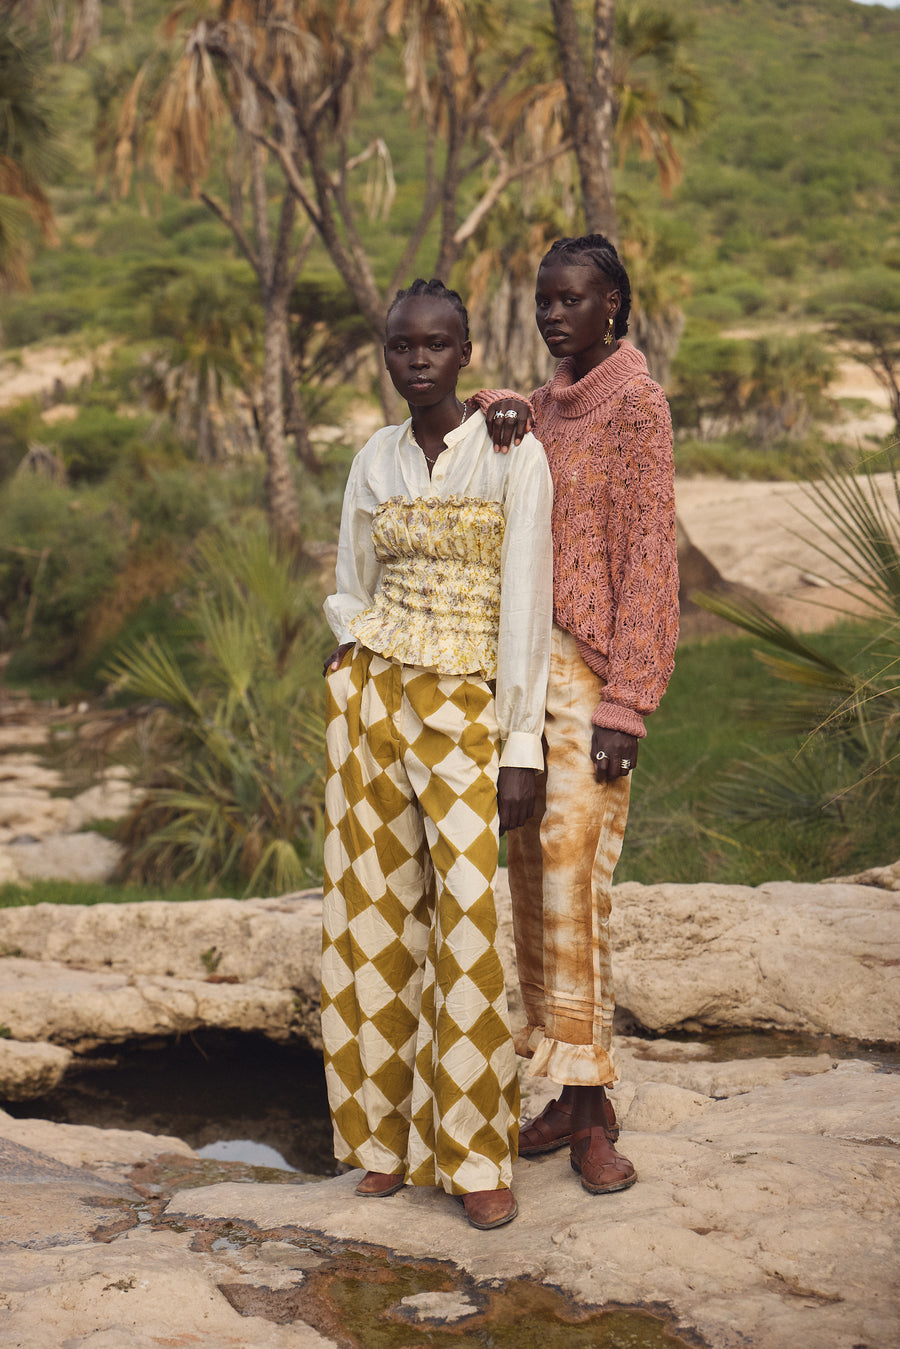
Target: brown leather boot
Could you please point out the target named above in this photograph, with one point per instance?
(490, 1208)
(379, 1184)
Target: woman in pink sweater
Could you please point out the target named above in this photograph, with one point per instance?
(607, 433)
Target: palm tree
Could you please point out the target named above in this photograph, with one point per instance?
(636, 92)
(589, 97)
(29, 154)
(289, 79)
(237, 797)
(203, 320)
(189, 104)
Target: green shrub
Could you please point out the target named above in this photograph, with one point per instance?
(34, 318)
(60, 554)
(737, 455)
(237, 798)
(18, 425)
(845, 712)
(716, 308)
(95, 442)
(128, 233)
(80, 892)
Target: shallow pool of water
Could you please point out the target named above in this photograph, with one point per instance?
(774, 1044)
(242, 1098)
(223, 1094)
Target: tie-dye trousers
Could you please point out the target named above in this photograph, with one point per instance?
(560, 874)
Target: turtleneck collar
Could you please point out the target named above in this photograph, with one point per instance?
(578, 397)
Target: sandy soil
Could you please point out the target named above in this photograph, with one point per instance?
(766, 536)
(33, 372)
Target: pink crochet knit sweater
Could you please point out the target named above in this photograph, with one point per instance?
(608, 440)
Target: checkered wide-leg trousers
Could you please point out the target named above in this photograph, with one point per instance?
(419, 1058)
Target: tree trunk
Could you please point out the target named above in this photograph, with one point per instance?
(657, 336)
(394, 409)
(85, 29)
(281, 496)
(57, 29)
(295, 417)
(591, 113)
(512, 349)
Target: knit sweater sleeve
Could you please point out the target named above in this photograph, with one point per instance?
(486, 397)
(641, 653)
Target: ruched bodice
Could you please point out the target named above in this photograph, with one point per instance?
(438, 601)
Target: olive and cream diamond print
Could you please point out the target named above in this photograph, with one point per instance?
(419, 1058)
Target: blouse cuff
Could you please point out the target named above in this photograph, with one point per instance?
(614, 717)
(522, 750)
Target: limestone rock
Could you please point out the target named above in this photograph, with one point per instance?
(756, 1221)
(32, 813)
(656, 1107)
(817, 958)
(18, 733)
(63, 1187)
(9, 872)
(110, 1153)
(25, 772)
(108, 800)
(885, 878)
(85, 857)
(271, 942)
(49, 1203)
(636, 1062)
(28, 1070)
(40, 1000)
(144, 1290)
(814, 958)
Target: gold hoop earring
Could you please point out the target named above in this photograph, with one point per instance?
(608, 335)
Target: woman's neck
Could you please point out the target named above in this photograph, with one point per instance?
(585, 362)
(431, 425)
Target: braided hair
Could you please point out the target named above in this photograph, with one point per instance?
(595, 250)
(436, 290)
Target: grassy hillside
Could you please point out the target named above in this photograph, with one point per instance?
(798, 174)
(795, 177)
(791, 188)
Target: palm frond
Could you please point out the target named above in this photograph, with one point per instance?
(240, 799)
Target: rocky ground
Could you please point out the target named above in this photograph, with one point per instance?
(766, 1216)
(765, 1213)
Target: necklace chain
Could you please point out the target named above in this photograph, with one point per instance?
(429, 459)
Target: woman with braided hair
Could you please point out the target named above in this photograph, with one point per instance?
(442, 612)
(607, 434)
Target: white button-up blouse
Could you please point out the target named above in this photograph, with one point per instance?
(453, 573)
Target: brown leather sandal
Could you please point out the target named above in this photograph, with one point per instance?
(543, 1134)
(549, 1130)
(601, 1168)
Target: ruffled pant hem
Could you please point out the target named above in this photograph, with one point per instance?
(567, 1065)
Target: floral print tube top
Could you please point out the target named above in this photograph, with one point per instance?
(438, 599)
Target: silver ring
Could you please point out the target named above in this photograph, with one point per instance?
(499, 415)
(626, 763)
(601, 755)
(511, 416)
